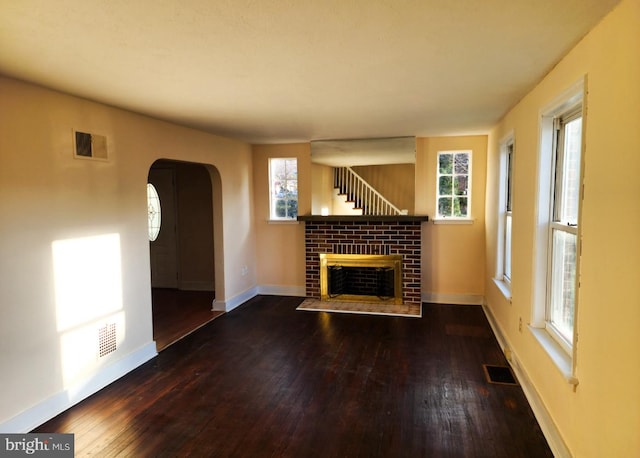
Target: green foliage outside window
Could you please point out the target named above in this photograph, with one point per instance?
(287, 206)
(453, 184)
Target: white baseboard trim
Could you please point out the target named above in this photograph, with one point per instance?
(58, 403)
(548, 426)
(230, 304)
(455, 299)
(279, 290)
(195, 285)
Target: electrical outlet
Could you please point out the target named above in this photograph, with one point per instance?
(520, 324)
(244, 270)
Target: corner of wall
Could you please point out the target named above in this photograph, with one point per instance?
(230, 304)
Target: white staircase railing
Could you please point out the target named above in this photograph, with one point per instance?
(361, 193)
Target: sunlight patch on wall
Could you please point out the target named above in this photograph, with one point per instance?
(88, 292)
(79, 348)
(88, 279)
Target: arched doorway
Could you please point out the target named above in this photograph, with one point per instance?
(183, 254)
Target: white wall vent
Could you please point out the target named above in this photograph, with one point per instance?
(89, 146)
(106, 339)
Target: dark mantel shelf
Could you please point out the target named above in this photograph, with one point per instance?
(364, 219)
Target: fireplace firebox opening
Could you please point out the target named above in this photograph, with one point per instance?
(361, 278)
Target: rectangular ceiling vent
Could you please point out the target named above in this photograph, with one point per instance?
(106, 339)
(89, 146)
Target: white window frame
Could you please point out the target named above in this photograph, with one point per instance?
(272, 195)
(563, 355)
(505, 216)
(556, 225)
(439, 219)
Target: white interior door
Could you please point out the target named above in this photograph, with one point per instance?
(163, 251)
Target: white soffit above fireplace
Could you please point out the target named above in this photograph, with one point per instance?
(370, 151)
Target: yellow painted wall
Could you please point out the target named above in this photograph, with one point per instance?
(602, 416)
(321, 189)
(51, 203)
(453, 254)
(280, 257)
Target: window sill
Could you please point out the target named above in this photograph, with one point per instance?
(504, 288)
(453, 221)
(282, 221)
(560, 358)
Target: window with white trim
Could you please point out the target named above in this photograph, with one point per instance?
(453, 193)
(283, 188)
(557, 249)
(557, 233)
(563, 226)
(503, 273)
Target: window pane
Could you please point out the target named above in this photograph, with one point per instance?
(460, 206)
(277, 169)
(507, 247)
(509, 177)
(292, 208)
(445, 163)
(444, 186)
(292, 187)
(283, 186)
(291, 169)
(281, 208)
(571, 173)
(461, 163)
(563, 283)
(460, 185)
(444, 206)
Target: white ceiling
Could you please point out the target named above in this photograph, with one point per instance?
(271, 71)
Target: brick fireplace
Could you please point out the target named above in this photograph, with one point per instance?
(365, 235)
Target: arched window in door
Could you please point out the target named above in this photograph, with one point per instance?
(153, 203)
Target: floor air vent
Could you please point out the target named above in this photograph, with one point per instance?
(502, 375)
(106, 339)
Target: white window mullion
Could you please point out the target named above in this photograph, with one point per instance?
(556, 226)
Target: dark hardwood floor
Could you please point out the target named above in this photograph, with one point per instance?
(177, 313)
(266, 380)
